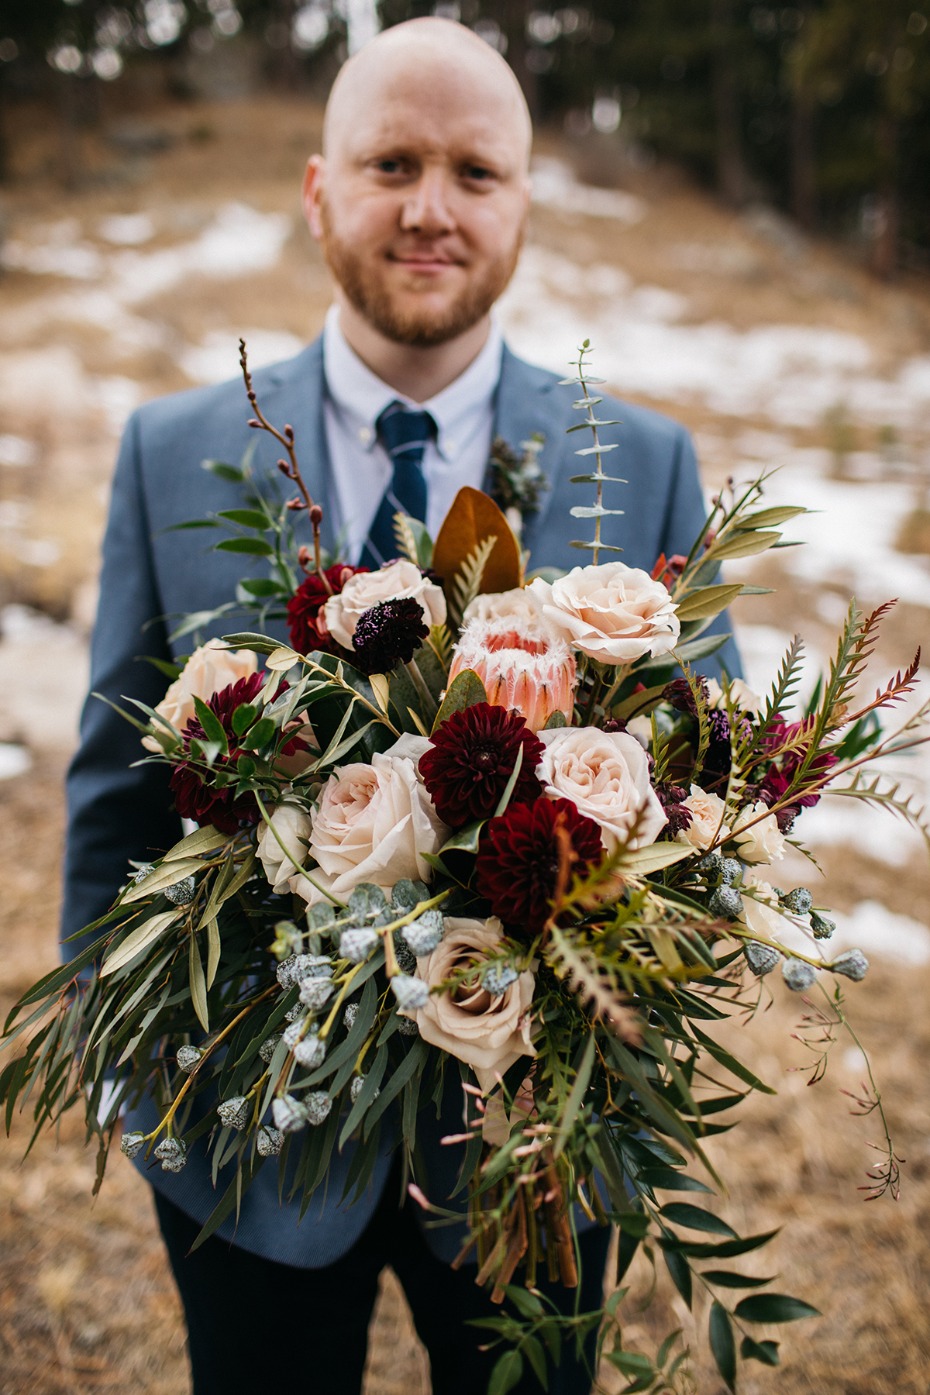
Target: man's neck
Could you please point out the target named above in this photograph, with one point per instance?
(415, 373)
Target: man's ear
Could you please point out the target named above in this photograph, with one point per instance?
(313, 193)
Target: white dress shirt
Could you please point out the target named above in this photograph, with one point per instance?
(355, 398)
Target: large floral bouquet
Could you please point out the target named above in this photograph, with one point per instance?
(474, 834)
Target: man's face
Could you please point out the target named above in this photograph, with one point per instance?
(421, 202)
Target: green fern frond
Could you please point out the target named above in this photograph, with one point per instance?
(441, 641)
(595, 985)
(403, 536)
(880, 792)
(782, 692)
(703, 717)
(467, 581)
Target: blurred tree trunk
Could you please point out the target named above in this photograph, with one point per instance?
(732, 181)
(803, 171)
(67, 102)
(513, 18)
(802, 155)
(885, 246)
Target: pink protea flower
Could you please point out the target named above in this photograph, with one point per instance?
(521, 664)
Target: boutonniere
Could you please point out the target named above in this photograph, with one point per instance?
(517, 479)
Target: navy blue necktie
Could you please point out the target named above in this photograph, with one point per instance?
(404, 433)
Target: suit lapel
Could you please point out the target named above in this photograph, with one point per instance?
(527, 403)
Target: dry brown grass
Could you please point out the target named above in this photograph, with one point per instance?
(86, 1302)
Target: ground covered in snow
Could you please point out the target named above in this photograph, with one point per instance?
(781, 356)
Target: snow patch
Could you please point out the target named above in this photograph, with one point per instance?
(215, 357)
(555, 186)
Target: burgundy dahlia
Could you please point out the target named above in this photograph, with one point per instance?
(519, 857)
(471, 758)
(388, 634)
(781, 773)
(204, 802)
(303, 609)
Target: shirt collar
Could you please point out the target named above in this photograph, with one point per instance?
(359, 396)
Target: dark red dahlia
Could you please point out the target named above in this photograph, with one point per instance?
(207, 803)
(304, 607)
(781, 773)
(388, 634)
(519, 857)
(472, 757)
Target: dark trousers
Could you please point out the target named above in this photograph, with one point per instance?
(251, 1321)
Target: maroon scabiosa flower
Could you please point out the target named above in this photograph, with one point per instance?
(388, 634)
(303, 609)
(679, 816)
(519, 857)
(679, 695)
(472, 757)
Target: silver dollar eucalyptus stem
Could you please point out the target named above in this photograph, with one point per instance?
(587, 404)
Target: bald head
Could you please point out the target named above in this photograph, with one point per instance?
(441, 59)
(420, 197)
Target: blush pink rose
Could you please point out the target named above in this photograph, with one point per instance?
(612, 612)
(374, 823)
(606, 776)
(396, 581)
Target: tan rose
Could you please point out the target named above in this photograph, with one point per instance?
(209, 669)
(282, 845)
(487, 1033)
(393, 582)
(374, 823)
(708, 819)
(612, 613)
(606, 776)
(764, 841)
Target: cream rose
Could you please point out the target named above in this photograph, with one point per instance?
(373, 824)
(606, 776)
(282, 845)
(760, 913)
(764, 841)
(209, 669)
(487, 1033)
(394, 582)
(708, 819)
(613, 613)
(742, 696)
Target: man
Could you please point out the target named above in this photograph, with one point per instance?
(419, 201)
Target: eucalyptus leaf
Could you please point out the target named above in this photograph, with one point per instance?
(142, 937)
(774, 1307)
(766, 1352)
(707, 601)
(464, 691)
(722, 1344)
(168, 874)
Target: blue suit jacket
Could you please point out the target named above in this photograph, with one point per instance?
(117, 813)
